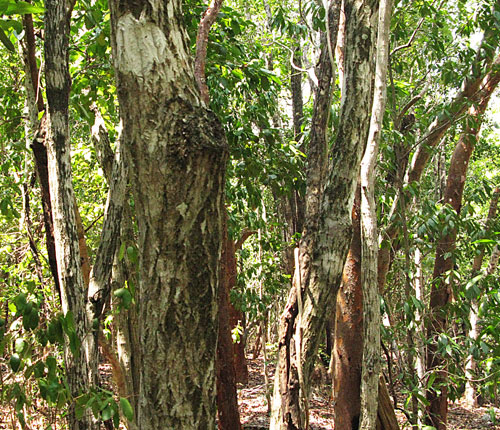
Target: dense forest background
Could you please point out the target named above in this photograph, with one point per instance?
(312, 183)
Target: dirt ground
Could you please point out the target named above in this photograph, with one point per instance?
(254, 410)
(254, 416)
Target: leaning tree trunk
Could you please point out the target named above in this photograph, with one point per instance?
(327, 231)
(80, 366)
(176, 152)
(437, 410)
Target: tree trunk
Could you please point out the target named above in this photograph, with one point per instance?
(326, 237)
(227, 398)
(440, 290)
(386, 418)
(472, 90)
(81, 367)
(369, 243)
(176, 151)
(39, 128)
(470, 366)
(348, 346)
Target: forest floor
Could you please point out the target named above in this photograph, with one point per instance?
(254, 413)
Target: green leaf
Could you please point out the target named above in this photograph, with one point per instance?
(121, 253)
(126, 409)
(431, 379)
(107, 413)
(124, 295)
(74, 344)
(20, 345)
(79, 411)
(22, 8)
(15, 362)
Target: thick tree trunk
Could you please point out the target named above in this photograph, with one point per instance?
(440, 290)
(80, 367)
(176, 152)
(348, 346)
(289, 404)
(326, 237)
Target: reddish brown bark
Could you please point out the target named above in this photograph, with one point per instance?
(441, 291)
(227, 404)
(206, 22)
(348, 344)
(471, 91)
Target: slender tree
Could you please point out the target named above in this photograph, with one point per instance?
(327, 231)
(369, 244)
(81, 366)
(440, 289)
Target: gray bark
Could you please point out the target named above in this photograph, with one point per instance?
(326, 238)
(175, 150)
(80, 366)
(369, 245)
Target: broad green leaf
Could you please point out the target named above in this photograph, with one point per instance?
(21, 8)
(126, 409)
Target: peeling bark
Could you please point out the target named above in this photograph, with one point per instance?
(176, 151)
(327, 231)
(348, 346)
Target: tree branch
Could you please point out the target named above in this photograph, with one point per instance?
(206, 22)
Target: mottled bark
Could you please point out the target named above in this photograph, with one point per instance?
(109, 275)
(101, 275)
(39, 130)
(176, 152)
(493, 264)
(81, 370)
(369, 243)
(326, 237)
(348, 345)
(440, 290)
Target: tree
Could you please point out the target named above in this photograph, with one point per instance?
(327, 230)
(441, 290)
(176, 151)
(81, 364)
